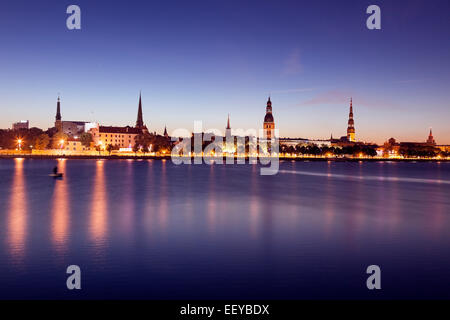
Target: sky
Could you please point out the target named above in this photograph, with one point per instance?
(202, 60)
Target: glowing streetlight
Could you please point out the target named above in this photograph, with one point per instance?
(19, 142)
(61, 142)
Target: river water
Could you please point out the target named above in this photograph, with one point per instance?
(152, 229)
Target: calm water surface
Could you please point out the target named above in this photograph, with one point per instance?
(150, 229)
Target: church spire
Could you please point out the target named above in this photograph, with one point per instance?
(228, 122)
(165, 134)
(431, 138)
(58, 110)
(140, 118)
(351, 124)
(58, 122)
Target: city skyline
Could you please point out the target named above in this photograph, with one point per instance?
(350, 131)
(192, 62)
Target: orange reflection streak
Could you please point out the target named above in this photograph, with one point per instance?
(98, 218)
(163, 201)
(60, 211)
(329, 202)
(127, 200)
(17, 218)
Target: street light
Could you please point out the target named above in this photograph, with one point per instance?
(19, 142)
(61, 142)
(100, 146)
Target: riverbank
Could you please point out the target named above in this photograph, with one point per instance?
(168, 157)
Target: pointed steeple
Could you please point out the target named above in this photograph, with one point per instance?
(431, 138)
(58, 110)
(228, 122)
(165, 132)
(351, 124)
(140, 118)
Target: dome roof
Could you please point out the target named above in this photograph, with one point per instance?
(268, 117)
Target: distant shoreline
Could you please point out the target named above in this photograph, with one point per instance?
(168, 157)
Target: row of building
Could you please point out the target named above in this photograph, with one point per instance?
(120, 137)
(124, 137)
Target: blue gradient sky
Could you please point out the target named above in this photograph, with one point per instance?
(200, 60)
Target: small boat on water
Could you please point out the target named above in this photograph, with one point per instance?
(56, 175)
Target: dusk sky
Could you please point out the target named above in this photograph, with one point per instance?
(200, 60)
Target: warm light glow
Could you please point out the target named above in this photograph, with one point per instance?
(17, 214)
(19, 143)
(60, 212)
(98, 218)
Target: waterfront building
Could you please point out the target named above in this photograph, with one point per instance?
(293, 142)
(75, 146)
(121, 137)
(23, 124)
(444, 147)
(269, 123)
(392, 148)
(71, 128)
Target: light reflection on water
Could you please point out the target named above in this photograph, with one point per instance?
(60, 212)
(17, 214)
(150, 229)
(99, 210)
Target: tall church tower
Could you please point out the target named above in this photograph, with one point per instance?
(269, 124)
(351, 124)
(140, 117)
(58, 122)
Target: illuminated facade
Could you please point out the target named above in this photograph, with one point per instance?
(122, 137)
(269, 123)
(75, 146)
